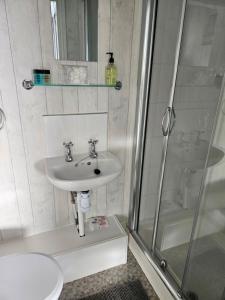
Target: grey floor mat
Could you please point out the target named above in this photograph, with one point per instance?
(129, 291)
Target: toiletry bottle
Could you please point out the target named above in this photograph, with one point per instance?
(111, 71)
(41, 76)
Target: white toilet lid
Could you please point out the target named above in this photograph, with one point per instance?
(30, 276)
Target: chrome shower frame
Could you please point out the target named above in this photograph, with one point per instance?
(143, 99)
(143, 95)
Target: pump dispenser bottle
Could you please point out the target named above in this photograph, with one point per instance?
(111, 71)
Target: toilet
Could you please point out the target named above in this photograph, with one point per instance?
(30, 276)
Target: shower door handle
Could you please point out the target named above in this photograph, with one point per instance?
(2, 118)
(169, 115)
(172, 119)
(165, 122)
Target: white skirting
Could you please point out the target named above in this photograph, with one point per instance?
(149, 271)
(78, 256)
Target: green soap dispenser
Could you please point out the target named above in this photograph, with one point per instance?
(111, 71)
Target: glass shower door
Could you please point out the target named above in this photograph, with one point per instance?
(197, 91)
(204, 276)
(166, 34)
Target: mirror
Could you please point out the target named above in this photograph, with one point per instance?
(75, 29)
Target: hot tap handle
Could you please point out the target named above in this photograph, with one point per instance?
(68, 145)
(92, 141)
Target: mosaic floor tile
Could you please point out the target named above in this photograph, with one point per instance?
(101, 281)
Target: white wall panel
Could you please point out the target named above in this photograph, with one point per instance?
(9, 102)
(29, 203)
(26, 52)
(122, 15)
(76, 128)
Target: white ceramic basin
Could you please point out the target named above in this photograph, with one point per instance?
(81, 177)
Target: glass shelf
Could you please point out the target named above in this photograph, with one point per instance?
(29, 84)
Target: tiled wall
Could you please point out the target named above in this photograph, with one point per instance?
(197, 94)
(28, 202)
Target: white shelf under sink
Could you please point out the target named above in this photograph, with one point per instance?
(78, 257)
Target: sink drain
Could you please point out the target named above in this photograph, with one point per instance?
(97, 171)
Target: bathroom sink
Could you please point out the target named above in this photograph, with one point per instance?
(81, 174)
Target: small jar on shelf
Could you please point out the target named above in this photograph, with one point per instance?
(41, 76)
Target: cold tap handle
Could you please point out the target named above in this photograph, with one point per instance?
(69, 144)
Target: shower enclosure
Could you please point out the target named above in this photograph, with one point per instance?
(177, 214)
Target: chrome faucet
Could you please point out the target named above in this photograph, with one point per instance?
(92, 150)
(68, 156)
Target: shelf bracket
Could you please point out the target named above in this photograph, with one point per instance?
(27, 84)
(118, 85)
